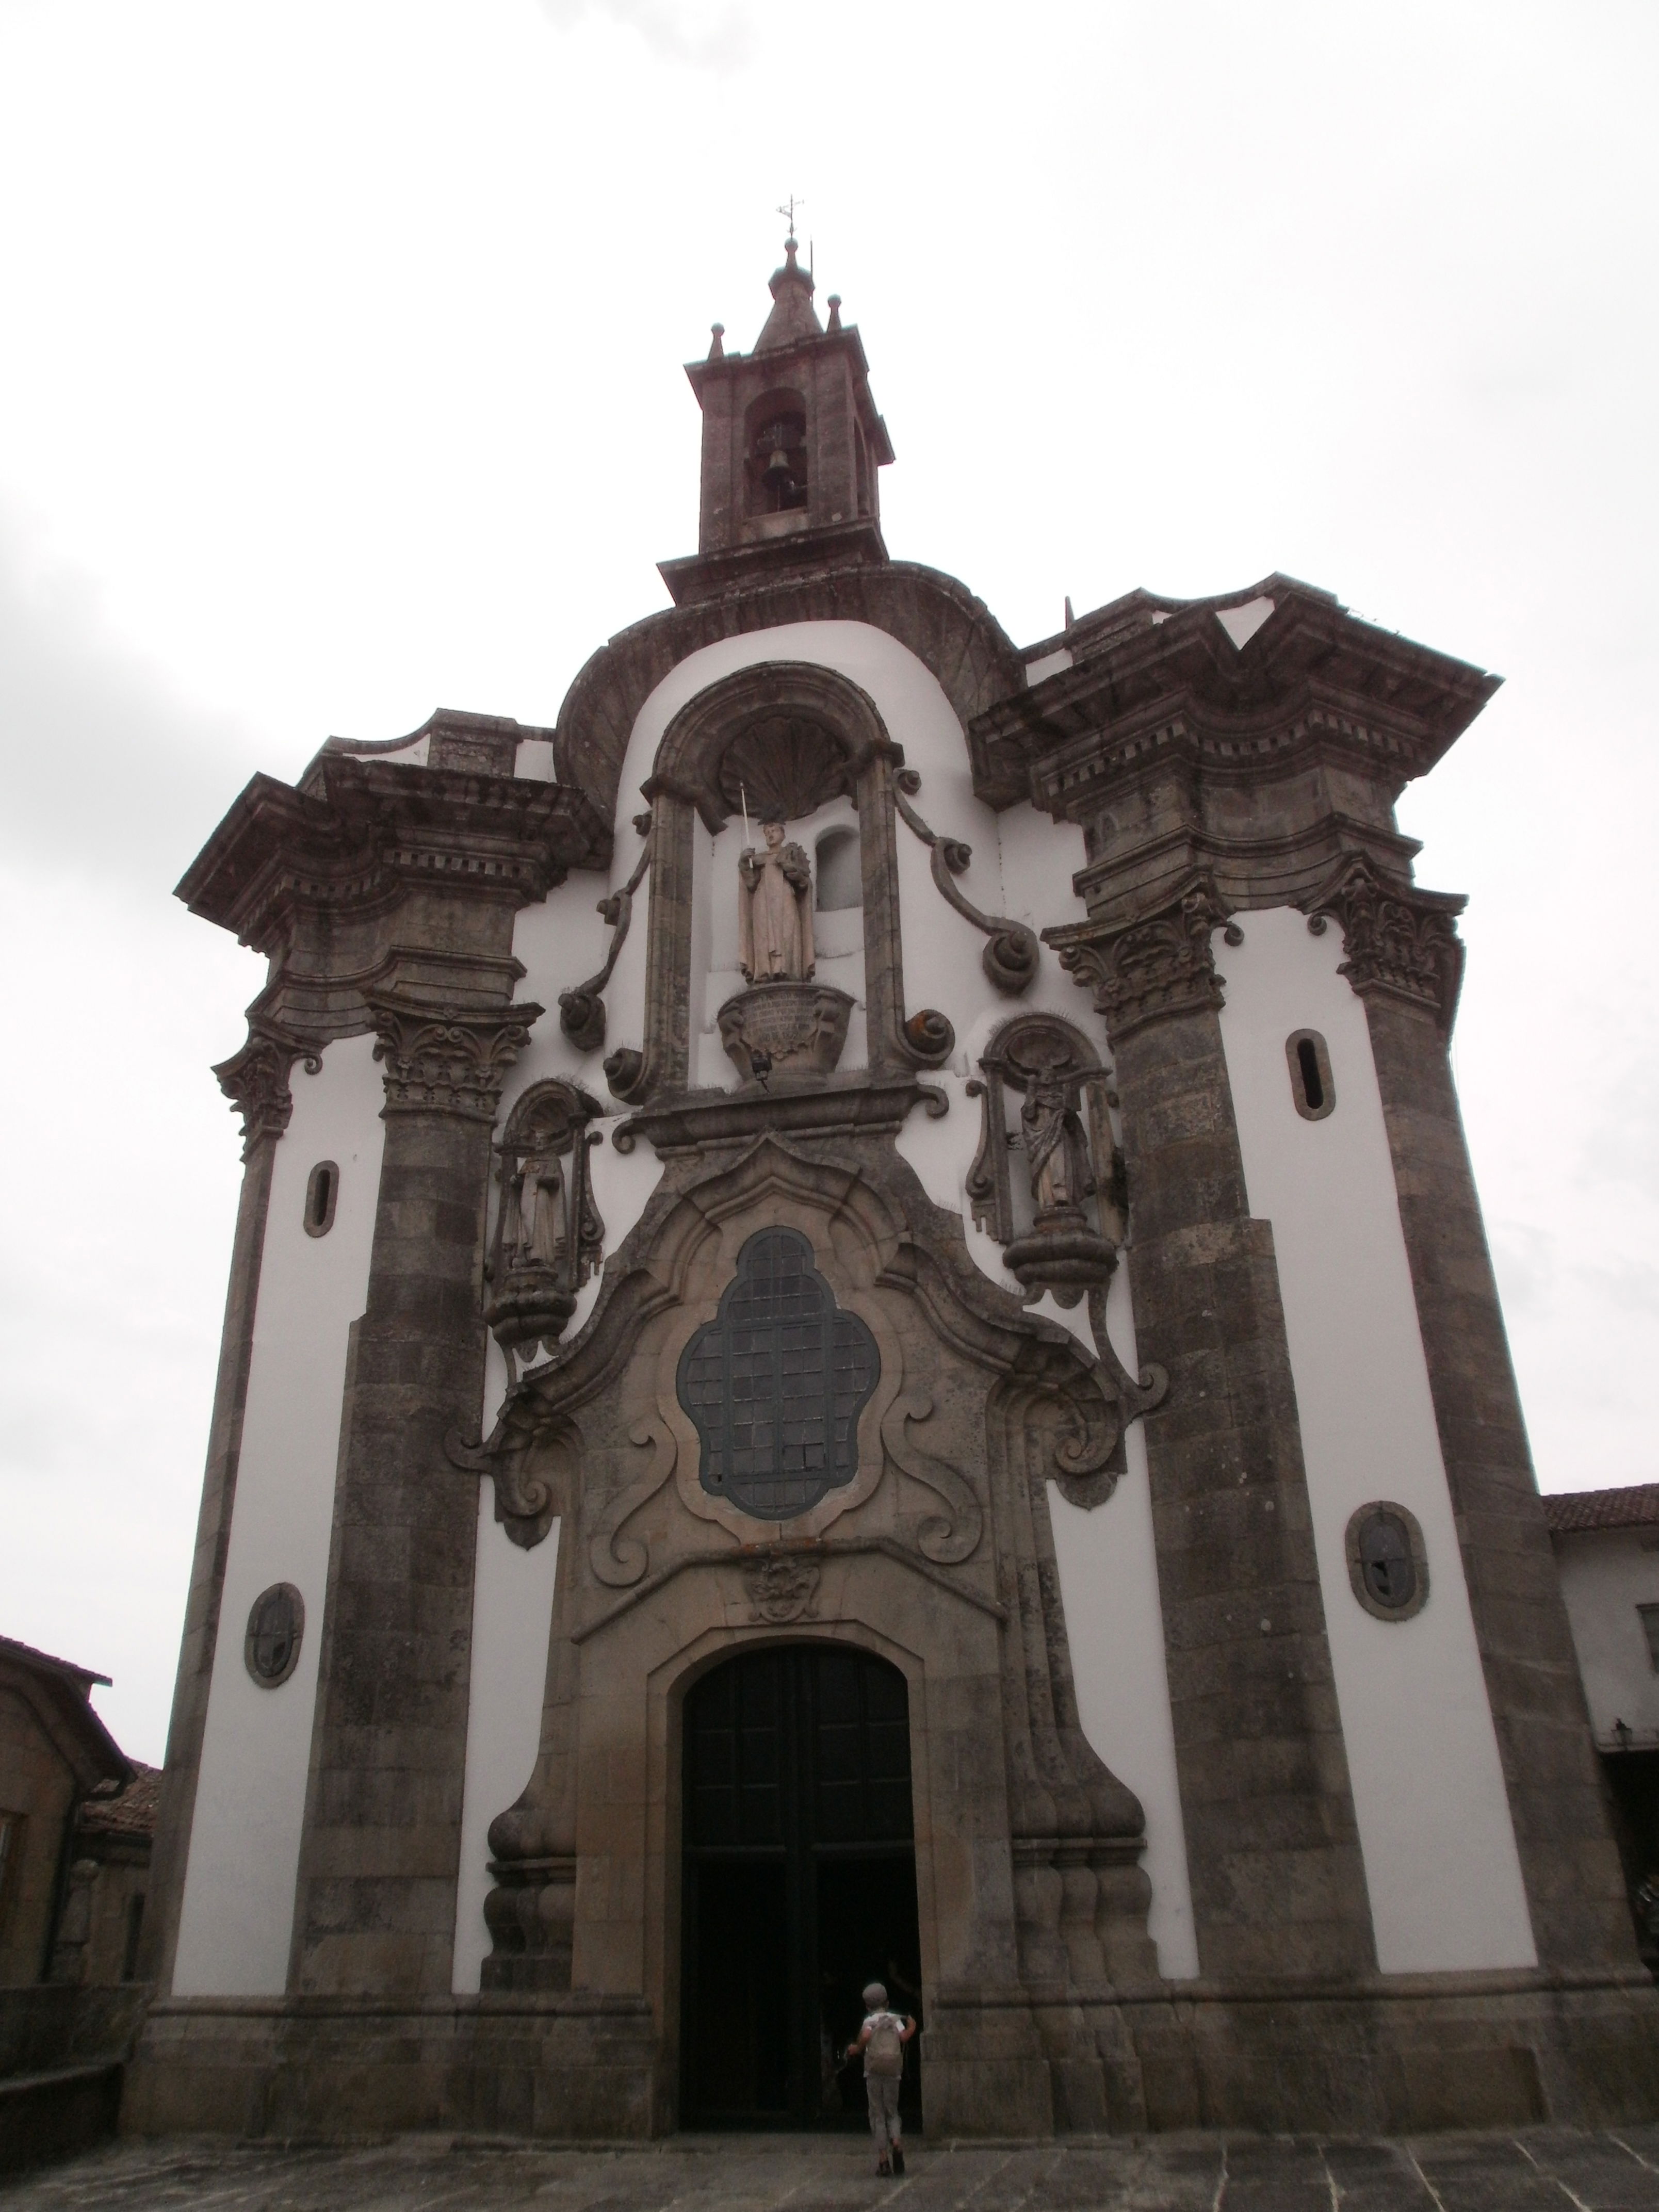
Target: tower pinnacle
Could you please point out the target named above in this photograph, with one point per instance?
(793, 317)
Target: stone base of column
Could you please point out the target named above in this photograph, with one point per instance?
(573, 2068)
(1406, 2055)
(1410, 2054)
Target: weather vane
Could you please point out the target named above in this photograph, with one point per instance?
(788, 213)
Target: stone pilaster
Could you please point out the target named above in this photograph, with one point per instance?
(1278, 1886)
(376, 1899)
(1404, 959)
(255, 1081)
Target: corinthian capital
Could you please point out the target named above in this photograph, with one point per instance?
(1398, 939)
(1156, 965)
(255, 1081)
(446, 1059)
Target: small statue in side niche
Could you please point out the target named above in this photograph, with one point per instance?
(1056, 1150)
(538, 1187)
(775, 910)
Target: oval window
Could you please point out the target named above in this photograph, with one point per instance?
(1387, 1563)
(321, 1192)
(275, 1625)
(1311, 1087)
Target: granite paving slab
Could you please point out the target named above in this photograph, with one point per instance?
(1611, 2171)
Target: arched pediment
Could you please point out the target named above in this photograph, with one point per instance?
(949, 631)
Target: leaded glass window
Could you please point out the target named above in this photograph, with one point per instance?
(776, 1381)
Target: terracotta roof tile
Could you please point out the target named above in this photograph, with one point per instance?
(131, 1813)
(1635, 1506)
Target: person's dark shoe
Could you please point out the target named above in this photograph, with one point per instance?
(898, 2160)
(883, 2171)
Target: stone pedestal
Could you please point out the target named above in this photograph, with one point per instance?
(789, 1030)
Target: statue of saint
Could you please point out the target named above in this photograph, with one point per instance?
(540, 1191)
(775, 910)
(1056, 1150)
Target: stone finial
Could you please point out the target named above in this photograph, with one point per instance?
(835, 312)
(793, 317)
(717, 342)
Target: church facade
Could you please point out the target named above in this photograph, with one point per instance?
(860, 1345)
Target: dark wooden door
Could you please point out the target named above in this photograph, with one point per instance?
(799, 1883)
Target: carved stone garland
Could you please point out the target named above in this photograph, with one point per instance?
(1012, 953)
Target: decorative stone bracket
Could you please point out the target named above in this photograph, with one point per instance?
(256, 1079)
(1157, 963)
(447, 1059)
(1399, 940)
(1012, 955)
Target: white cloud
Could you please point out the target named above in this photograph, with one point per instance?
(719, 37)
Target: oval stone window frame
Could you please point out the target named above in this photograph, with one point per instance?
(1389, 1509)
(270, 1646)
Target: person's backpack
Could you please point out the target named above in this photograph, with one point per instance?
(884, 2052)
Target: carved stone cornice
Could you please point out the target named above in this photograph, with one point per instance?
(361, 835)
(1154, 965)
(1148, 680)
(255, 1079)
(447, 1059)
(1400, 941)
(856, 1104)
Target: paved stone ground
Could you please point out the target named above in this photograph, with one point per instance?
(1543, 2167)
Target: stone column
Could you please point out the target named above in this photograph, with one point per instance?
(1404, 959)
(256, 1080)
(375, 1908)
(1278, 1886)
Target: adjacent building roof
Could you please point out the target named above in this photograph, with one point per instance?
(59, 1694)
(1635, 1506)
(129, 1812)
(83, 1677)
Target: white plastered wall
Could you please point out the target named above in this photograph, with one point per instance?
(1606, 1574)
(237, 1915)
(1441, 1864)
(1108, 1562)
(1022, 868)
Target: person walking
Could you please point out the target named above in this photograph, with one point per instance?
(882, 2040)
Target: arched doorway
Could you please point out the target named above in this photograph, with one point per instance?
(799, 1883)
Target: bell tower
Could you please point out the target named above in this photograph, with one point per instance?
(791, 444)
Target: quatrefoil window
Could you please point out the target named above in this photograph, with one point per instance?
(776, 1381)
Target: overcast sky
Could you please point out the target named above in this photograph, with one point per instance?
(342, 381)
